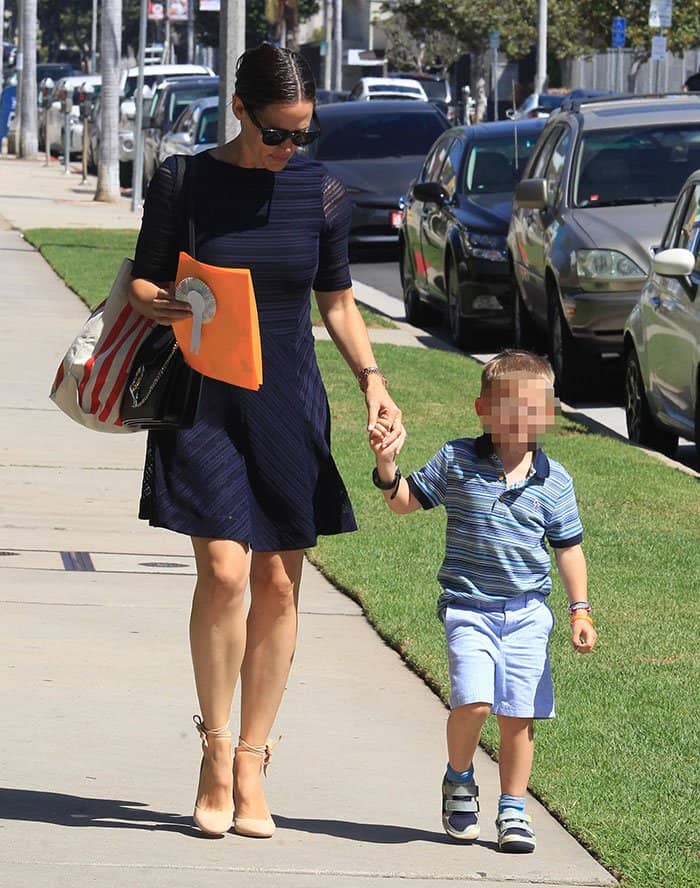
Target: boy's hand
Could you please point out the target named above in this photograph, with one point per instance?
(583, 636)
(385, 453)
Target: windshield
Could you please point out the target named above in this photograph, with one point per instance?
(207, 127)
(635, 166)
(491, 166)
(435, 89)
(372, 136)
(178, 100)
(132, 82)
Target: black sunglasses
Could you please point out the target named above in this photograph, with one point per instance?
(272, 135)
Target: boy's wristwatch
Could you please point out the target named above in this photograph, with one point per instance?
(385, 485)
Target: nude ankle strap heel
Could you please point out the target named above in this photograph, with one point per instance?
(212, 821)
(257, 828)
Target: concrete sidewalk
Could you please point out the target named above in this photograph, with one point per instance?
(99, 753)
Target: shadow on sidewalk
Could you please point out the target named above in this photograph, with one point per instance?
(380, 834)
(68, 810)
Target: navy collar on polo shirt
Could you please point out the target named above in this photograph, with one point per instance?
(485, 449)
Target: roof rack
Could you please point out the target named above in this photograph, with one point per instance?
(574, 105)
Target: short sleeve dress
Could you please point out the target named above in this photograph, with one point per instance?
(256, 466)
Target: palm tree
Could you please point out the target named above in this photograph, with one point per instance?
(28, 141)
(110, 55)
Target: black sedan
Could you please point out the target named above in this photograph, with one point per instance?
(455, 220)
(376, 149)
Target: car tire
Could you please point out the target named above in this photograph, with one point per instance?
(126, 173)
(564, 352)
(524, 331)
(415, 310)
(455, 319)
(641, 428)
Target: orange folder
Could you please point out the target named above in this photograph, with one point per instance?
(222, 340)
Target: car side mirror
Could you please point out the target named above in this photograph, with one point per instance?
(674, 263)
(430, 192)
(531, 194)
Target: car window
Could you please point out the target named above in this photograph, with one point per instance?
(392, 134)
(491, 166)
(450, 169)
(434, 161)
(544, 152)
(635, 165)
(690, 229)
(671, 235)
(555, 168)
(207, 128)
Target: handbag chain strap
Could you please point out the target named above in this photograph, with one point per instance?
(138, 379)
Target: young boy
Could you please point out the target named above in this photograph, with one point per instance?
(504, 498)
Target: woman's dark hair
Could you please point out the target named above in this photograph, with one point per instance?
(270, 75)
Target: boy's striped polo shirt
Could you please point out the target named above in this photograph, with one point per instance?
(496, 534)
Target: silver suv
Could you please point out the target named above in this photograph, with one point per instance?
(595, 197)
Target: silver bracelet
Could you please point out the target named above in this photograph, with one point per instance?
(364, 373)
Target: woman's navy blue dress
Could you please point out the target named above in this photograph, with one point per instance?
(256, 466)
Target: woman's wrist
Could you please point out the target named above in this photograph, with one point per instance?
(370, 376)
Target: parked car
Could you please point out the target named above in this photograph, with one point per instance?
(376, 149)
(51, 124)
(373, 88)
(195, 129)
(56, 70)
(326, 96)
(455, 220)
(594, 199)
(662, 336)
(153, 74)
(437, 90)
(169, 101)
(542, 104)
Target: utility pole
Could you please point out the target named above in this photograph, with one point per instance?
(93, 39)
(327, 31)
(190, 31)
(541, 76)
(231, 46)
(338, 44)
(137, 175)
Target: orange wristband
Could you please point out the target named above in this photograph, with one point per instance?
(581, 615)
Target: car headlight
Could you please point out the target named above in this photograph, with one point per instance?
(485, 246)
(607, 266)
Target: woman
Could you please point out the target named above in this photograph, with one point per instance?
(253, 482)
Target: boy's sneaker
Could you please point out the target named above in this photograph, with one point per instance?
(460, 810)
(515, 834)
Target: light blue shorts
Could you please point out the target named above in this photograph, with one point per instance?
(498, 653)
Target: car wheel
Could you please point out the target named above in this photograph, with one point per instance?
(414, 309)
(524, 331)
(563, 350)
(458, 332)
(641, 428)
(126, 173)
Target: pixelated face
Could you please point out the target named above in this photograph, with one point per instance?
(517, 410)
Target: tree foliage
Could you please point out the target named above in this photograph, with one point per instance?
(575, 27)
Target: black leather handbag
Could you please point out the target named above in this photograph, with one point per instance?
(162, 391)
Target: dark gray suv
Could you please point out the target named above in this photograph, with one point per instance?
(594, 198)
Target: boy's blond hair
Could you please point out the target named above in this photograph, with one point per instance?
(515, 364)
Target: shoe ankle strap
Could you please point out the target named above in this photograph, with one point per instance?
(264, 751)
(222, 733)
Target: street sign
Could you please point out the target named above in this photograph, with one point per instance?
(619, 27)
(658, 48)
(660, 13)
(494, 39)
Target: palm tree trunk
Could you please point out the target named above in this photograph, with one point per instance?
(28, 142)
(110, 55)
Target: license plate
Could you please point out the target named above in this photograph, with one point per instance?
(396, 217)
(487, 303)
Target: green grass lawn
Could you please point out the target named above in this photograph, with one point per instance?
(619, 765)
(88, 258)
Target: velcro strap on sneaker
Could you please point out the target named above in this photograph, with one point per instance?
(462, 806)
(460, 790)
(513, 817)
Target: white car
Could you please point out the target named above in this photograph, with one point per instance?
(152, 75)
(368, 88)
(52, 122)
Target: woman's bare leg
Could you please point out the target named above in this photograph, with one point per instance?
(270, 645)
(217, 641)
